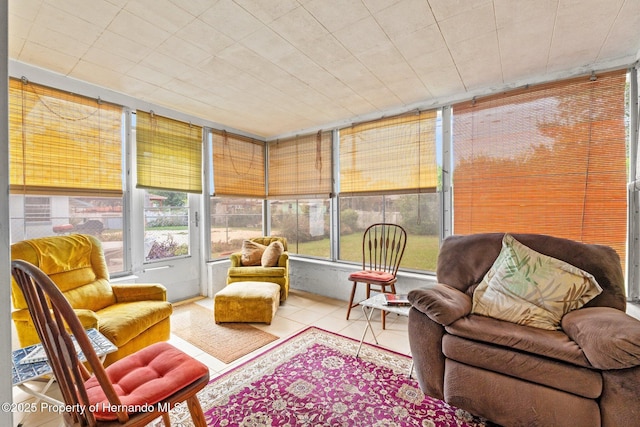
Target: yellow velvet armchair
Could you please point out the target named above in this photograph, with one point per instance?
(132, 316)
(279, 273)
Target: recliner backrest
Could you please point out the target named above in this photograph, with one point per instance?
(463, 261)
(75, 263)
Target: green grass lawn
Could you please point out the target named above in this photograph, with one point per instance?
(421, 251)
(420, 254)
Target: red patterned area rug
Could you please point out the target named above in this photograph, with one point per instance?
(313, 379)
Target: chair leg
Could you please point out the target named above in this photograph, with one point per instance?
(195, 409)
(353, 293)
(166, 420)
(383, 316)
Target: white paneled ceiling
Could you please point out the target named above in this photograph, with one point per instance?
(278, 67)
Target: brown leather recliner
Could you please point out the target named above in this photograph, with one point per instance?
(585, 374)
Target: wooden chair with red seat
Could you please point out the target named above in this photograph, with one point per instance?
(132, 391)
(383, 246)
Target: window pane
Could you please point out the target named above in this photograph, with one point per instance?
(65, 167)
(232, 221)
(98, 216)
(305, 224)
(37, 210)
(356, 214)
(166, 224)
(417, 213)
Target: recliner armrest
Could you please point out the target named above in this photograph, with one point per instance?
(28, 335)
(442, 303)
(609, 338)
(139, 292)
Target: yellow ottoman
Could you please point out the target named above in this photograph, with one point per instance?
(247, 302)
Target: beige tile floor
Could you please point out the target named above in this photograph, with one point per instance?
(301, 310)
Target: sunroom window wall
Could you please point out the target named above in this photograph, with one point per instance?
(299, 188)
(237, 191)
(389, 172)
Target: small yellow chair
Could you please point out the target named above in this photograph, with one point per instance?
(132, 316)
(255, 273)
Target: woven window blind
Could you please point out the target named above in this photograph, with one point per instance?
(550, 159)
(63, 144)
(238, 165)
(301, 166)
(169, 154)
(391, 154)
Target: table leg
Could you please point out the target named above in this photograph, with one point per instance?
(39, 395)
(367, 316)
(42, 394)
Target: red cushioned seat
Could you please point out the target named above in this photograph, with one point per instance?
(370, 275)
(145, 378)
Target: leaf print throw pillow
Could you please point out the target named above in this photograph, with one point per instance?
(528, 288)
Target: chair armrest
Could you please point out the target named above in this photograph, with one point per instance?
(88, 318)
(609, 338)
(283, 261)
(235, 259)
(442, 303)
(139, 292)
